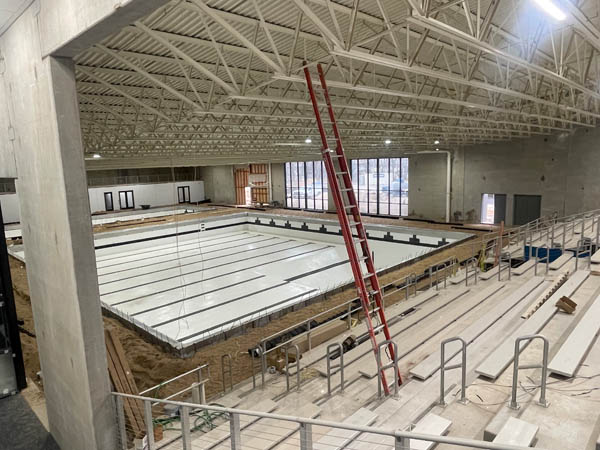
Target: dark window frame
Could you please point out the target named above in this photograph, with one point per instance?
(112, 201)
(126, 200)
(365, 206)
(296, 183)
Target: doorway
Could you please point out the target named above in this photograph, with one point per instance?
(108, 201)
(493, 208)
(527, 208)
(183, 194)
(126, 200)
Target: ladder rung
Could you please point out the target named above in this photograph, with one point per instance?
(349, 206)
(345, 189)
(353, 224)
(337, 156)
(359, 240)
(341, 173)
(368, 275)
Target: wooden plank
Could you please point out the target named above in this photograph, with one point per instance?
(516, 432)
(500, 358)
(557, 283)
(337, 438)
(560, 261)
(489, 274)
(573, 350)
(216, 436)
(430, 424)
(524, 267)
(432, 363)
(369, 367)
(267, 433)
(123, 381)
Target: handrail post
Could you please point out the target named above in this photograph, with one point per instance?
(235, 436)
(186, 435)
(263, 363)
(542, 401)
(340, 366)
(462, 365)
(306, 442)
(149, 424)
(121, 423)
(402, 443)
(381, 367)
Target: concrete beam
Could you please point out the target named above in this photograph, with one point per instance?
(61, 265)
(68, 27)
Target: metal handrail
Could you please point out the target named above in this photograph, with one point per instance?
(392, 364)
(227, 357)
(444, 368)
(164, 383)
(474, 263)
(513, 399)
(504, 257)
(339, 367)
(287, 366)
(526, 230)
(401, 436)
(546, 259)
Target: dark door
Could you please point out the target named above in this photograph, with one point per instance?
(108, 201)
(499, 207)
(12, 369)
(126, 200)
(527, 208)
(183, 194)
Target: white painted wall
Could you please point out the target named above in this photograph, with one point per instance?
(161, 194)
(10, 207)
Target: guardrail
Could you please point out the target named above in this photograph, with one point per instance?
(399, 438)
(197, 388)
(438, 272)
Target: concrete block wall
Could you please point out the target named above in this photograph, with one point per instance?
(219, 183)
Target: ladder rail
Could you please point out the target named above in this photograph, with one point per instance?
(358, 219)
(345, 224)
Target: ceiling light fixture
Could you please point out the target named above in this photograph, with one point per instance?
(551, 9)
(388, 142)
(96, 156)
(436, 142)
(437, 149)
(308, 140)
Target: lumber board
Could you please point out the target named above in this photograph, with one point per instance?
(573, 350)
(517, 432)
(123, 381)
(489, 274)
(558, 282)
(217, 435)
(267, 433)
(501, 357)
(406, 323)
(337, 438)
(524, 267)
(369, 367)
(432, 363)
(560, 261)
(430, 424)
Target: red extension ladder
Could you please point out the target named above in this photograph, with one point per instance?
(353, 230)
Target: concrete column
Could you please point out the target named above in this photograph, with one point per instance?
(59, 249)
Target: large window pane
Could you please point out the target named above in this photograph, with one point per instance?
(384, 186)
(306, 185)
(288, 185)
(381, 185)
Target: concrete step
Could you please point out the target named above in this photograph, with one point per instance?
(517, 432)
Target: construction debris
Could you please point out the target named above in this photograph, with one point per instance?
(566, 304)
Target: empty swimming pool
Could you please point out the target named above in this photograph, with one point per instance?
(192, 283)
